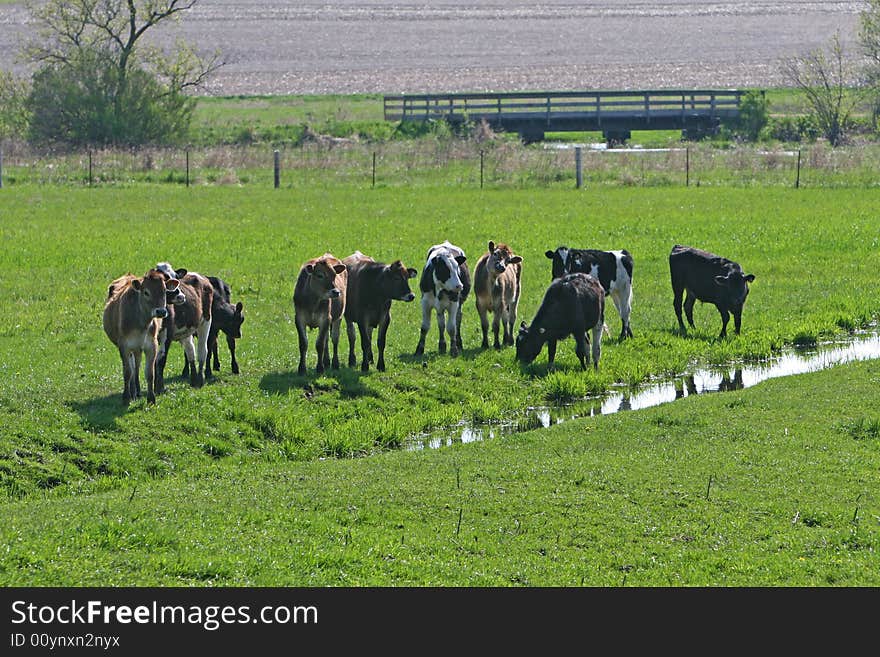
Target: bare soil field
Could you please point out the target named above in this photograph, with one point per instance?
(276, 47)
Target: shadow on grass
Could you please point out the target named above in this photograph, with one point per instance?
(347, 381)
(429, 356)
(101, 413)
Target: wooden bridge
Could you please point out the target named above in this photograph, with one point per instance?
(696, 112)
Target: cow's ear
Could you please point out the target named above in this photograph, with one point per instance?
(522, 326)
(491, 246)
(181, 272)
(136, 284)
(549, 254)
(460, 259)
(722, 280)
(412, 272)
(310, 269)
(172, 284)
(749, 278)
(515, 260)
(238, 308)
(339, 268)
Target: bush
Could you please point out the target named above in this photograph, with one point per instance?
(13, 108)
(753, 115)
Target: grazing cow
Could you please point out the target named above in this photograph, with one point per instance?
(191, 318)
(711, 279)
(572, 305)
(613, 269)
(445, 284)
(133, 314)
(371, 288)
(496, 288)
(224, 317)
(319, 302)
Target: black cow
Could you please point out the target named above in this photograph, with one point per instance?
(371, 288)
(613, 269)
(572, 305)
(711, 279)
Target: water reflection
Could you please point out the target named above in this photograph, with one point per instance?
(701, 381)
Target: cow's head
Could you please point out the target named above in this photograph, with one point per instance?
(233, 329)
(529, 342)
(152, 293)
(500, 256)
(322, 277)
(395, 281)
(736, 286)
(560, 260)
(173, 294)
(446, 274)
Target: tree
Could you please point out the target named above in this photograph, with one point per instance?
(827, 79)
(753, 115)
(99, 83)
(13, 111)
(869, 40)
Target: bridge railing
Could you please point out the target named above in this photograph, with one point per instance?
(712, 103)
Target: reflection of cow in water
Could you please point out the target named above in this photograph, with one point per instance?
(687, 386)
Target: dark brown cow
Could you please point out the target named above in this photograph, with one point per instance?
(497, 287)
(225, 317)
(319, 302)
(371, 288)
(133, 315)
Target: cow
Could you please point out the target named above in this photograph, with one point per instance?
(133, 313)
(319, 302)
(573, 304)
(496, 289)
(191, 318)
(371, 288)
(225, 317)
(445, 284)
(711, 279)
(613, 269)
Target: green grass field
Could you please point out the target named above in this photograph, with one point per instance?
(96, 493)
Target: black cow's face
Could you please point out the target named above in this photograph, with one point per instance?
(528, 343)
(395, 281)
(237, 321)
(735, 286)
(559, 258)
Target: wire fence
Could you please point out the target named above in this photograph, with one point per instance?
(447, 162)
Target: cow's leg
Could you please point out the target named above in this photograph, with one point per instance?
(689, 302)
(230, 342)
(349, 329)
(725, 318)
(302, 335)
(366, 345)
(597, 342)
(512, 310)
(458, 326)
(455, 343)
(127, 388)
(496, 324)
(483, 312)
(203, 331)
(622, 299)
(441, 329)
(551, 353)
(321, 347)
(334, 337)
(161, 360)
(678, 292)
(190, 350)
(136, 372)
(580, 348)
(380, 342)
(211, 352)
(737, 318)
(427, 305)
(150, 372)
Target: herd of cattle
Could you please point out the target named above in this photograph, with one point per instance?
(143, 316)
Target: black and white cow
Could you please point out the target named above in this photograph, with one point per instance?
(613, 269)
(445, 284)
(711, 279)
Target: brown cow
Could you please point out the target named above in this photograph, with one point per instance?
(319, 302)
(133, 315)
(497, 287)
(371, 288)
(192, 317)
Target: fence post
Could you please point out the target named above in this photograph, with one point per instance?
(578, 165)
(90, 168)
(187, 167)
(687, 166)
(374, 168)
(481, 169)
(277, 169)
(797, 180)
(1, 167)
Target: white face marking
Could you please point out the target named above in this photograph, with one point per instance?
(167, 269)
(563, 255)
(594, 272)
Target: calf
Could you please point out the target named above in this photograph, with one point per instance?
(613, 269)
(132, 317)
(371, 288)
(445, 284)
(711, 279)
(572, 305)
(496, 288)
(319, 302)
(191, 318)
(224, 317)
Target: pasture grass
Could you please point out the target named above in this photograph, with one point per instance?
(775, 485)
(65, 429)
